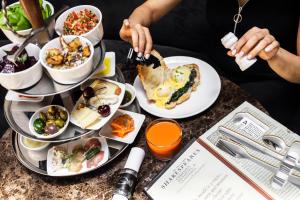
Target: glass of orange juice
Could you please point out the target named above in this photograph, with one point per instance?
(163, 138)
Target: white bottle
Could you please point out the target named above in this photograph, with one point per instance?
(128, 176)
(229, 41)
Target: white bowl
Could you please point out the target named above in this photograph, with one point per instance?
(46, 144)
(25, 78)
(68, 76)
(129, 88)
(15, 38)
(94, 35)
(36, 115)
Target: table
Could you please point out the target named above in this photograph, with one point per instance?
(19, 183)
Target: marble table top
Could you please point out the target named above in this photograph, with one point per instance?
(17, 182)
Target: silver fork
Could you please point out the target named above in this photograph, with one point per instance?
(237, 150)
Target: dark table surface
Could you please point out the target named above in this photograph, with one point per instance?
(19, 183)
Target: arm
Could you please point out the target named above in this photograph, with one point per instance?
(286, 64)
(259, 42)
(135, 29)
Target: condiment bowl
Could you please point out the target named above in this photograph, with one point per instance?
(95, 35)
(23, 143)
(72, 75)
(45, 109)
(131, 90)
(25, 78)
(19, 40)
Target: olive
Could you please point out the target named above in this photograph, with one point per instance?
(104, 110)
(88, 92)
(51, 129)
(59, 123)
(52, 110)
(50, 121)
(50, 116)
(43, 116)
(39, 125)
(63, 115)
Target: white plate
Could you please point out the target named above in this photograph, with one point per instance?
(205, 95)
(130, 137)
(113, 108)
(69, 146)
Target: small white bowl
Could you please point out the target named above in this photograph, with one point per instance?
(25, 78)
(68, 76)
(129, 88)
(45, 144)
(36, 115)
(14, 37)
(95, 35)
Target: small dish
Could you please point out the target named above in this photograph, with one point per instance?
(36, 145)
(14, 96)
(138, 119)
(53, 170)
(19, 40)
(74, 74)
(108, 68)
(22, 79)
(94, 35)
(128, 89)
(36, 116)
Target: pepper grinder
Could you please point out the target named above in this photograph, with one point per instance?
(128, 176)
(229, 41)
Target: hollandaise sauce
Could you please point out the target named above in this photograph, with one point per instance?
(164, 138)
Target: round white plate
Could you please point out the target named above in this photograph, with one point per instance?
(206, 94)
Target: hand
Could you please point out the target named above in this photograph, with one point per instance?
(256, 42)
(139, 36)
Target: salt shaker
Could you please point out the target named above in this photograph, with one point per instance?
(229, 41)
(128, 176)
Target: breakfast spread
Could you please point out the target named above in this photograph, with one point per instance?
(81, 22)
(71, 55)
(122, 125)
(168, 87)
(24, 61)
(95, 102)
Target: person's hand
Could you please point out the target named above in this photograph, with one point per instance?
(139, 36)
(256, 42)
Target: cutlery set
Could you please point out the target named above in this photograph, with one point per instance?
(234, 143)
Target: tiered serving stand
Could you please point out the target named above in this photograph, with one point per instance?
(18, 114)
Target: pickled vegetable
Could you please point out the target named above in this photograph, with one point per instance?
(39, 125)
(43, 116)
(59, 123)
(63, 115)
(51, 129)
(127, 97)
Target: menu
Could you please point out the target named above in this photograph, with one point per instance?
(202, 171)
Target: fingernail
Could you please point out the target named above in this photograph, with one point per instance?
(140, 54)
(249, 57)
(267, 49)
(240, 54)
(147, 56)
(136, 49)
(233, 52)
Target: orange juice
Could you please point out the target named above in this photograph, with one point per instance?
(164, 138)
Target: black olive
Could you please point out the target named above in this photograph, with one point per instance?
(88, 92)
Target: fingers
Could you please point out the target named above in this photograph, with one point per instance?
(243, 40)
(126, 23)
(135, 40)
(262, 44)
(149, 43)
(272, 46)
(125, 33)
(141, 39)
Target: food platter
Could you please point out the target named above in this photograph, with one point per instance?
(48, 87)
(37, 163)
(205, 95)
(18, 113)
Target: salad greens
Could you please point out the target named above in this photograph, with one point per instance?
(17, 17)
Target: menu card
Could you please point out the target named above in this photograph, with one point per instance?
(202, 171)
